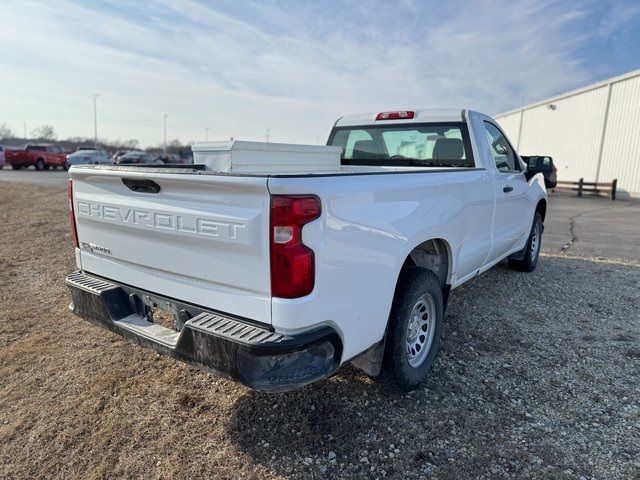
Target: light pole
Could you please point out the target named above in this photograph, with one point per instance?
(95, 120)
(24, 124)
(165, 133)
(206, 134)
(266, 135)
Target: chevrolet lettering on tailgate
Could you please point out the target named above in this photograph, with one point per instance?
(190, 224)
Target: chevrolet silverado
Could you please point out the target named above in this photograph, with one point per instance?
(275, 276)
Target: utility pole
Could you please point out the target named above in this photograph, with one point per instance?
(95, 120)
(206, 134)
(24, 124)
(267, 134)
(165, 133)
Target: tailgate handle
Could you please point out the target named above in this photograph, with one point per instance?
(141, 185)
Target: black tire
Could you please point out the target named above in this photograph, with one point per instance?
(40, 164)
(66, 166)
(16, 167)
(414, 285)
(529, 261)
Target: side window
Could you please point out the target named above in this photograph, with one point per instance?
(503, 154)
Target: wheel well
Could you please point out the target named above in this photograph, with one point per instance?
(541, 207)
(434, 255)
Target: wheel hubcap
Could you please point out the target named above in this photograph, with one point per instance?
(421, 327)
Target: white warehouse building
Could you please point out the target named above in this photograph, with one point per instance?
(591, 133)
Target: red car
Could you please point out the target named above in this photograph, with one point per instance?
(40, 156)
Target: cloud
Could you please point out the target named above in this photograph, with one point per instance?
(242, 67)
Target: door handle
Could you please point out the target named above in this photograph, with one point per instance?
(507, 189)
(141, 185)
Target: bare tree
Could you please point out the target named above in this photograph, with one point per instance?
(44, 132)
(5, 132)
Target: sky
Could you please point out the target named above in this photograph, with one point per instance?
(240, 68)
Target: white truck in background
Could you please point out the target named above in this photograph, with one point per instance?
(276, 272)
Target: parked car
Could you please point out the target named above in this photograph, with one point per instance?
(40, 156)
(543, 164)
(275, 278)
(170, 158)
(139, 157)
(87, 157)
(186, 156)
(118, 154)
(2, 161)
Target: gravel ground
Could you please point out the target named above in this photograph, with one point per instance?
(537, 378)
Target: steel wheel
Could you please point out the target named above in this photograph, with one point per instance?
(421, 327)
(535, 242)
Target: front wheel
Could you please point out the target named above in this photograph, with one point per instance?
(532, 249)
(40, 164)
(415, 325)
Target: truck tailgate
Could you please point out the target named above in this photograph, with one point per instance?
(202, 239)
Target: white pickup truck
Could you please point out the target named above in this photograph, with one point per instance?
(276, 278)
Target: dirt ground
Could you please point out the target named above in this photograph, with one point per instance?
(538, 377)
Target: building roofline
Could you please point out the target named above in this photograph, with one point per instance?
(572, 93)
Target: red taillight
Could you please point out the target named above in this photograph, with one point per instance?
(72, 219)
(407, 114)
(292, 262)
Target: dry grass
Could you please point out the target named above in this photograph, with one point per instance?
(517, 386)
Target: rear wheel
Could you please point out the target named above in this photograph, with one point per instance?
(16, 167)
(40, 164)
(532, 249)
(415, 325)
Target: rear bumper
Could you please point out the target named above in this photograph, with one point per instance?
(235, 348)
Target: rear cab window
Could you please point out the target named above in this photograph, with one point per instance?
(414, 145)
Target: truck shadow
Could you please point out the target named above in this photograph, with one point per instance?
(496, 350)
